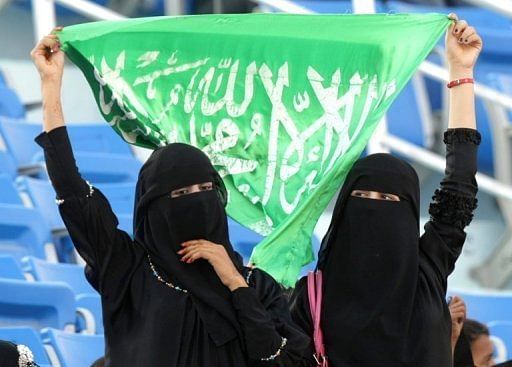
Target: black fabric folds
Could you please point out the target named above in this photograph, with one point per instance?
(162, 223)
(384, 284)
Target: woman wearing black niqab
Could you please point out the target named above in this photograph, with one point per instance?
(178, 295)
(384, 285)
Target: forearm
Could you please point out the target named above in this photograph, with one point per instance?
(53, 116)
(462, 101)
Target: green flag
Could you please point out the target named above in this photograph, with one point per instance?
(282, 104)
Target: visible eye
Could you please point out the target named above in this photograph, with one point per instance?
(389, 197)
(206, 187)
(361, 194)
(179, 192)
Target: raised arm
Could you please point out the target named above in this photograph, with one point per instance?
(108, 252)
(463, 45)
(454, 202)
(49, 61)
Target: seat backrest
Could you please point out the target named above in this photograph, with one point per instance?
(74, 350)
(19, 139)
(91, 303)
(503, 83)
(26, 336)
(9, 268)
(42, 196)
(10, 104)
(45, 271)
(409, 116)
(36, 304)
(23, 232)
(8, 192)
(97, 138)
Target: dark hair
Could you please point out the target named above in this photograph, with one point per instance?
(473, 329)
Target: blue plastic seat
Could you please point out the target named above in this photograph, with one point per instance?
(70, 274)
(10, 269)
(41, 193)
(405, 118)
(486, 307)
(89, 306)
(38, 305)
(7, 164)
(501, 82)
(29, 337)
(23, 232)
(10, 104)
(114, 164)
(8, 192)
(74, 350)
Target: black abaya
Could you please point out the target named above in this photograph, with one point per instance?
(384, 285)
(149, 324)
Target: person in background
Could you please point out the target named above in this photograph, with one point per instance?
(480, 344)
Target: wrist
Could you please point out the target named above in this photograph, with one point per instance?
(51, 81)
(236, 282)
(460, 73)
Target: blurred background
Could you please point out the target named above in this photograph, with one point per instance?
(45, 301)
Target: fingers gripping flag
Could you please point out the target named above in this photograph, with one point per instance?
(282, 104)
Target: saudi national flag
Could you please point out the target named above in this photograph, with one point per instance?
(282, 104)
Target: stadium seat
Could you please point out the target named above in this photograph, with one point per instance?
(73, 350)
(38, 305)
(7, 165)
(23, 232)
(10, 104)
(502, 82)
(10, 269)
(501, 335)
(41, 193)
(409, 116)
(70, 274)
(29, 337)
(8, 192)
(90, 316)
(19, 137)
(486, 307)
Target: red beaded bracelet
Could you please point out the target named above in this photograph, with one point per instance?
(457, 82)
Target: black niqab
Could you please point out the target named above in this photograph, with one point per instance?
(369, 257)
(162, 223)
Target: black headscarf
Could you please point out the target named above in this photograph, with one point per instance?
(161, 224)
(370, 255)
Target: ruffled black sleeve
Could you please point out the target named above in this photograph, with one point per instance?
(452, 205)
(89, 219)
